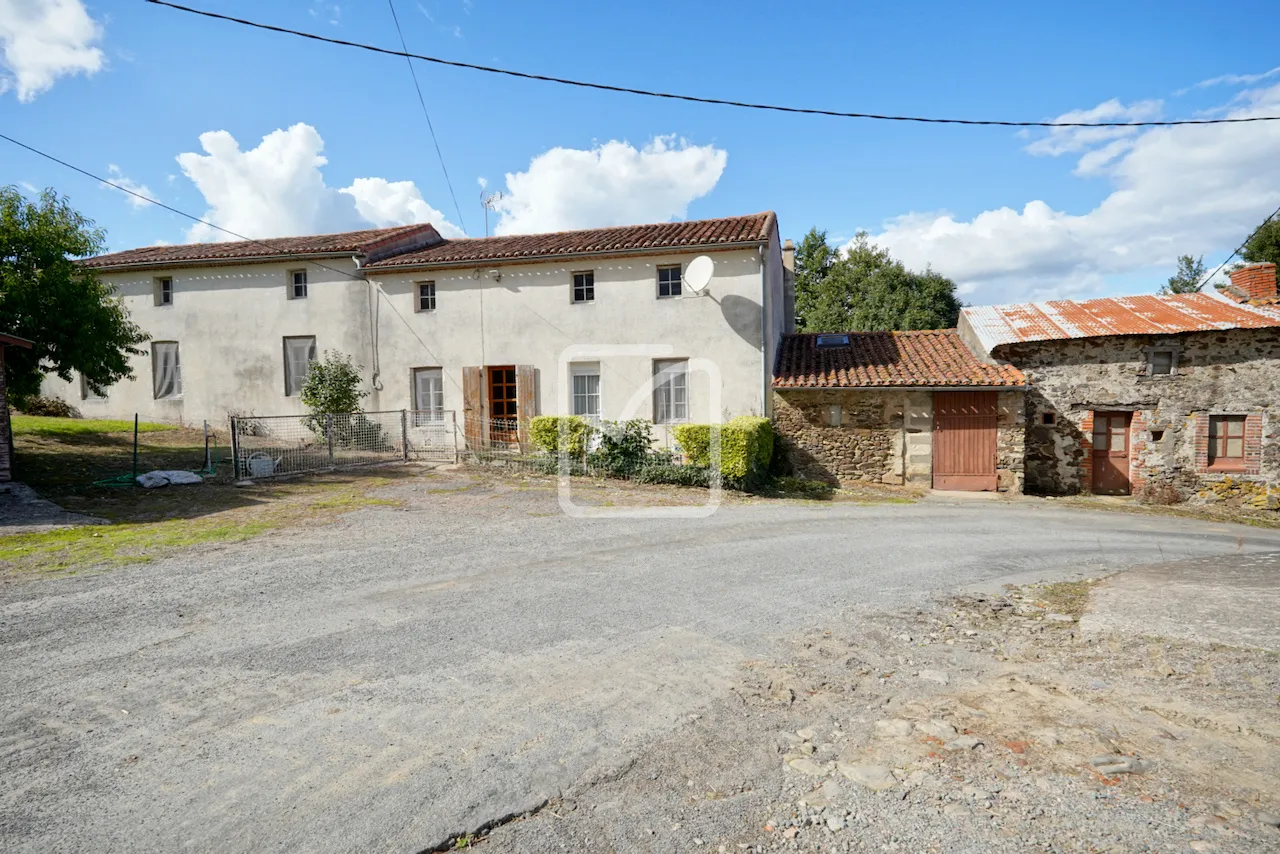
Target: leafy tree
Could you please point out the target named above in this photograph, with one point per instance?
(814, 258)
(77, 322)
(1188, 278)
(865, 289)
(333, 385)
(1264, 245)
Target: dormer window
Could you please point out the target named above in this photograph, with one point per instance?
(841, 340)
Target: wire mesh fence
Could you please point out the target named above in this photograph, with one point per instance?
(273, 445)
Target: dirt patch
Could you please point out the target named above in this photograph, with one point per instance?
(991, 723)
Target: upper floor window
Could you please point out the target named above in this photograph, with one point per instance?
(670, 391)
(164, 290)
(1162, 363)
(426, 296)
(298, 284)
(299, 353)
(584, 286)
(1226, 441)
(166, 370)
(585, 380)
(669, 281)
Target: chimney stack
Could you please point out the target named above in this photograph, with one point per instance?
(1255, 281)
(789, 255)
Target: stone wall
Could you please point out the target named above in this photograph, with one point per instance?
(882, 436)
(1235, 372)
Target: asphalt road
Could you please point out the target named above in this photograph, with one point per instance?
(407, 674)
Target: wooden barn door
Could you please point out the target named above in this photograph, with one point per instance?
(1111, 452)
(964, 440)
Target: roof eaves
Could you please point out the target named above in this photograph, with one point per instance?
(219, 262)
(389, 265)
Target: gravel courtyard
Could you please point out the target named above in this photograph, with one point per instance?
(412, 673)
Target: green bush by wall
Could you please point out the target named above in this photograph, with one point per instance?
(746, 446)
(545, 432)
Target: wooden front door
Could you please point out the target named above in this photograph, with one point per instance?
(1111, 452)
(504, 406)
(964, 440)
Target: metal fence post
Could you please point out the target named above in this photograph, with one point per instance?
(328, 429)
(235, 450)
(453, 416)
(404, 434)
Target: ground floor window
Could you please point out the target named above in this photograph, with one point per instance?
(299, 353)
(428, 395)
(166, 370)
(585, 379)
(1226, 441)
(670, 391)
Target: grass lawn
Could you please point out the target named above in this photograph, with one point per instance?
(62, 458)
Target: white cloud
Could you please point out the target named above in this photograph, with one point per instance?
(42, 40)
(1197, 190)
(610, 184)
(277, 190)
(123, 180)
(1064, 140)
(1231, 80)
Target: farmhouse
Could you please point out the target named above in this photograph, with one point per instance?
(1173, 393)
(597, 322)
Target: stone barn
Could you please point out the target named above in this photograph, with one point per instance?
(898, 407)
(1157, 394)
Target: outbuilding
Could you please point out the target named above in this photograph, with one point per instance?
(899, 408)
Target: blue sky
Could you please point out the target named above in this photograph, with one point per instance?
(1010, 216)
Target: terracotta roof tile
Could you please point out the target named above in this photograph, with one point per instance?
(705, 233)
(343, 243)
(935, 358)
(1141, 315)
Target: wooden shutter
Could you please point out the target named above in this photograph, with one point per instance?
(473, 407)
(526, 401)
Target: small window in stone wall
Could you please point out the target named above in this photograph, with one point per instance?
(1157, 435)
(833, 415)
(1048, 418)
(1162, 362)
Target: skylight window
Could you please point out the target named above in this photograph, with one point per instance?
(833, 340)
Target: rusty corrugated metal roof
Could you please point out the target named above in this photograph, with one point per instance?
(1141, 315)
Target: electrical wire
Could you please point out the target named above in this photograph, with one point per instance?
(430, 126)
(1237, 249)
(701, 100)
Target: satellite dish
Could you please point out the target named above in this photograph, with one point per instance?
(698, 274)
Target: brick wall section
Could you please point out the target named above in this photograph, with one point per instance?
(6, 435)
(1257, 281)
(884, 436)
(1231, 372)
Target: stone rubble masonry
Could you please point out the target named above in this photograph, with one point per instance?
(1231, 372)
(884, 436)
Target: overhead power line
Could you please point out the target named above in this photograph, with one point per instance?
(700, 100)
(1243, 244)
(430, 127)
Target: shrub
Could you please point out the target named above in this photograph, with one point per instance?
(746, 447)
(656, 471)
(333, 385)
(624, 447)
(545, 431)
(48, 407)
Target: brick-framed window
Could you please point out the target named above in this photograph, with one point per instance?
(584, 286)
(1229, 442)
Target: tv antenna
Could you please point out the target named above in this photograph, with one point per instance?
(489, 203)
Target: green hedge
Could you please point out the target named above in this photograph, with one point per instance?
(746, 446)
(544, 430)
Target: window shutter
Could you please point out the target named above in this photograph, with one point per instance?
(473, 405)
(526, 400)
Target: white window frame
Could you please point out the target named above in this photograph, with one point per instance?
(585, 370)
(164, 290)
(674, 289)
(174, 387)
(670, 391)
(588, 287)
(426, 291)
(294, 292)
(87, 394)
(432, 410)
(292, 382)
